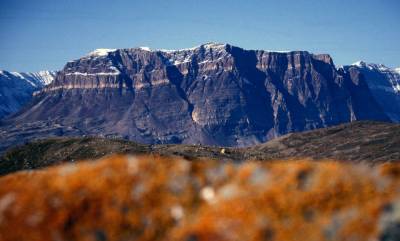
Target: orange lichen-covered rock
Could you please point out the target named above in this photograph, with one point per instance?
(158, 198)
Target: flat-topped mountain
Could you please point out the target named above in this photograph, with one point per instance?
(213, 94)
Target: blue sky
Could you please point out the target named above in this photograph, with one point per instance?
(45, 34)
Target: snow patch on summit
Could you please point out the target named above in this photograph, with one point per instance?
(392, 76)
(35, 79)
(371, 66)
(359, 63)
(145, 48)
(45, 77)
(206, 46)
(100, 52)
(17, 88)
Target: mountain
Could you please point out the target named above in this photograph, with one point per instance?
(368, 142)
(384, 84)
(213, 94)
(16, 88)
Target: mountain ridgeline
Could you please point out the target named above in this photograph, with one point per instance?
(16, 89)
(214, 94)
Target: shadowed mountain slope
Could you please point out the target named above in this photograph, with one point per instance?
(16, 89)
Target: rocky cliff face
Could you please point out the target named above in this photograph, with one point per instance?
(16, 89)
(214, 94)
(384, 84)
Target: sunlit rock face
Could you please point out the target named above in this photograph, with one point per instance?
(214, 94)
(153, 198)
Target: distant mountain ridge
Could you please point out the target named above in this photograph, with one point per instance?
(16, 88)
(214, 94)
(384, 84)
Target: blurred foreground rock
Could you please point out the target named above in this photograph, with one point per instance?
(155, 198)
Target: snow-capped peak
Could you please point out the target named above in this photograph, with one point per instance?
(359, 63)
(35, 79)
(371, 66)
(391, 75)
(44, 76)
(100, 52)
